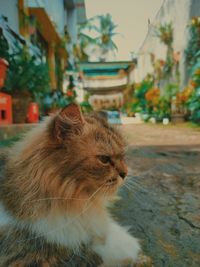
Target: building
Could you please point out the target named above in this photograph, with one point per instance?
(48, 27)
(106, 82)
(179, 13)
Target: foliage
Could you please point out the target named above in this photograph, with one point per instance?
(148, 99)
(193, 50)
(152, 97)
(54, 101)
(139, 99)
(26, 73)
(86, 107)
(165, 33)
(193, 60)
(84, 41)
(171, 90)
(158, 67)
(97, 32)
(106, 32)
(183, 97)
(159, 106)
(193, 102)
(163, 109)
(4, 48)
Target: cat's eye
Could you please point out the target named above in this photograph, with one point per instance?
(104, 159)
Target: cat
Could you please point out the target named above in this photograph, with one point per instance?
(54, 190)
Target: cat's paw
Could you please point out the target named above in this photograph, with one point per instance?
(119, 249)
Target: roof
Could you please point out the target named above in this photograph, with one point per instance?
(93, 69)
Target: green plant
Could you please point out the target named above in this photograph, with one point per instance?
(26, 73)
(103, 30)
(193, 50)
(140, 102)
(171, 90)
(86, 107)
(193, 104)
(165, 33)
(4, 48)
(163, 109)
(84, 40)
(106, 31)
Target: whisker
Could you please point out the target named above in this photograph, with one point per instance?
(85, 208)
(133, 185)
(57, 198)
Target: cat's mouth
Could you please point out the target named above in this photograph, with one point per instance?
(112, 181)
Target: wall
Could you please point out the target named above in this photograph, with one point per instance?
(55, 10)
(9, 9)
(178, 12)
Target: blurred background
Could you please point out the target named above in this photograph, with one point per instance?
(135, 60)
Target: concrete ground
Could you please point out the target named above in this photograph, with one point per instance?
(161, 200)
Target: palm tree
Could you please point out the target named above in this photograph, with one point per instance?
(106, 31)
(103, 30)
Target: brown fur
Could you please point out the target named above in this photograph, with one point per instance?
(32, 251)
(54, 170)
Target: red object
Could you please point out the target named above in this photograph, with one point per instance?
(69, 93)
(3, 69)
(5, 109)
(33, 113)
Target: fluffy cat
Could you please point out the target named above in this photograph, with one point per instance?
(54, 190)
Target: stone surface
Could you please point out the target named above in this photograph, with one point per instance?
(160, 200)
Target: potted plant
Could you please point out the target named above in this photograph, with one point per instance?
(3, 69)
(4, 55)
(26, 78)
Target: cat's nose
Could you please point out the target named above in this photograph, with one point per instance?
(123, 175)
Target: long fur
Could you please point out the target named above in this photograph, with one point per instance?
(54, 193)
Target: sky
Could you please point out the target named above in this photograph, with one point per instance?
(131, 16)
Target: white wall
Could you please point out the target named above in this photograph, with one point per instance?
(95, 83)
(178, 12)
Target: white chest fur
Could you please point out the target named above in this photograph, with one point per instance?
(67, 230)
(70, 231)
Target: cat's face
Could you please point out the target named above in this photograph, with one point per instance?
(91, 154)
(63, 163)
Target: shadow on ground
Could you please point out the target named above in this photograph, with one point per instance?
(161, 203)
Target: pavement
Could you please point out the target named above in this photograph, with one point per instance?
(160, 201)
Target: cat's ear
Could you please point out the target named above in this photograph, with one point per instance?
(73, 113)
(69, 121)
